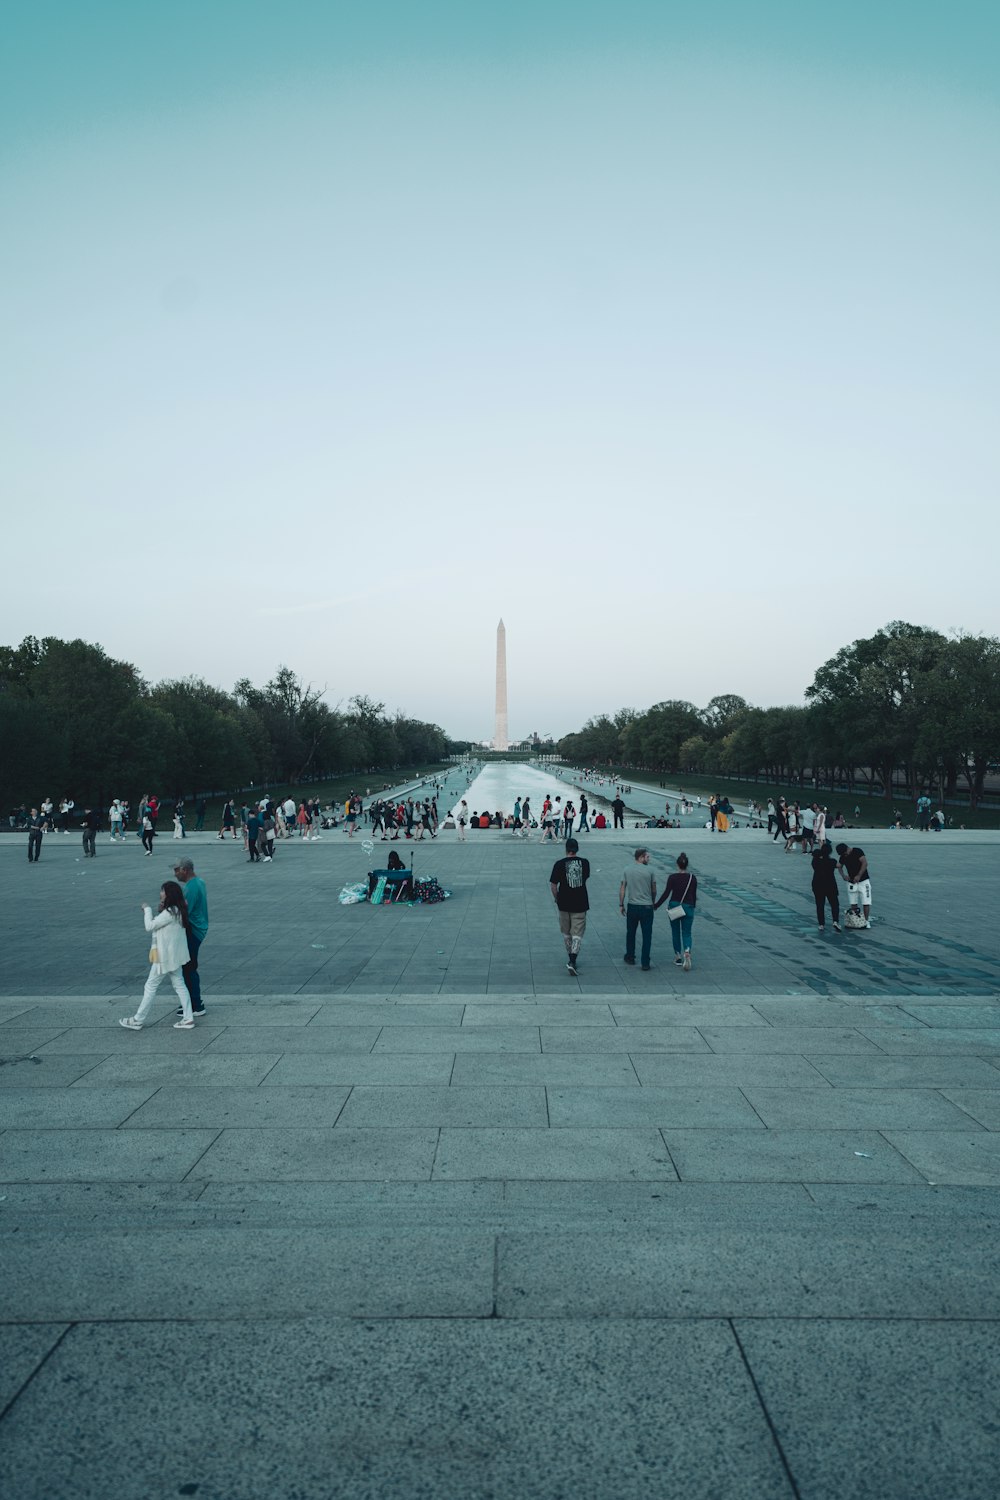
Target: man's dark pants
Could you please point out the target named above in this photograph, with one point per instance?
(190, 972)
(34, 844)
(638, 916)
(89, 842)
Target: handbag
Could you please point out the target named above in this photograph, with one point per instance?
(853, 917)
(676, 912)
(154, 954)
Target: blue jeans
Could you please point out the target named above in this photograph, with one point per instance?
(680, 931)
(190, 971)
(638, 916)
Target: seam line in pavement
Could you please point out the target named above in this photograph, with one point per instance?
(766, 1414)
(36, 1371)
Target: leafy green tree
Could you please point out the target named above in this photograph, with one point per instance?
(873, 693)
(960, 725)
(722, 714)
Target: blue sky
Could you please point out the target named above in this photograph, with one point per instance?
(333, 334)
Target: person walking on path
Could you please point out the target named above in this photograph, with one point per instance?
(462, 820)
(853, 865)
(824, 885)
(91, 824)
(681, 892)
(568, 884)
(584, 809)
(148, 831)
(167, 957)
(36, 825)
(618, 809)
(228, 819)
(196, 900)
(636, 897)
(253, 833)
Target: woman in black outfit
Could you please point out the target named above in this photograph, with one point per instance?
(824, 885)
(681, 890)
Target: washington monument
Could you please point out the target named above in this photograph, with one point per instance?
(500, 728)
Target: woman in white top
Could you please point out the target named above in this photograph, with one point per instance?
(167, 956)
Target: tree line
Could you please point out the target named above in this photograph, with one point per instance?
(906, 707)
(75, 721)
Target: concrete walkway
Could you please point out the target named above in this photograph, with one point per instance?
(414, 1213)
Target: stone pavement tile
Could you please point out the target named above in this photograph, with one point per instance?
(982, 1104)
(96, 1012)
(660, 1069)
(939, 1200)
(852, 1155)
(577, 1069)
(838, 1013)
(351, 1068)
(31, 1108)
(100, 1155)
(622, 1039)
(17, 1041)
(374, 1013)
(939, 1040)
(907, 1072)
(848, 1109)
(881, 1410)
(660, 1108)
(457, 1039)
(711, 1011)
(152, 1038)
(17, 1012)
(107, 1275)
(447, 1204)
(567, 1012)
(802, 1039)
(985, 1016)
(261, 1011)
(426, 1410)
(296, 1154)
(716, 1270)
(224, 1108)
(198, 1071)
(429, 1105)
(948, 1156)
(22, 1350)
(39, 1204)
(50, 1072)
(665, 1202)
(561, 1154)
(311, 1039)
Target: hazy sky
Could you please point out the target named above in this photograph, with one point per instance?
(332, 333)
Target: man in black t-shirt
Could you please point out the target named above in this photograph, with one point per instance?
(618, 808)
(36, 825)
(853, 865)
(568, 884)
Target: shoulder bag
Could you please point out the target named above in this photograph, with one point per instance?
(676, 912)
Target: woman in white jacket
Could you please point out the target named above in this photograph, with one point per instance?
(168, 930)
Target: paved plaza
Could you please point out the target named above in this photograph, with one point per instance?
(413, 1212)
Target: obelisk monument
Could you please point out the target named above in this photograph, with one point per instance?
(500, 730)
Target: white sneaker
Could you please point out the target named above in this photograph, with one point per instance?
(130, 1023)
(267, 859)
(183, 1025)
